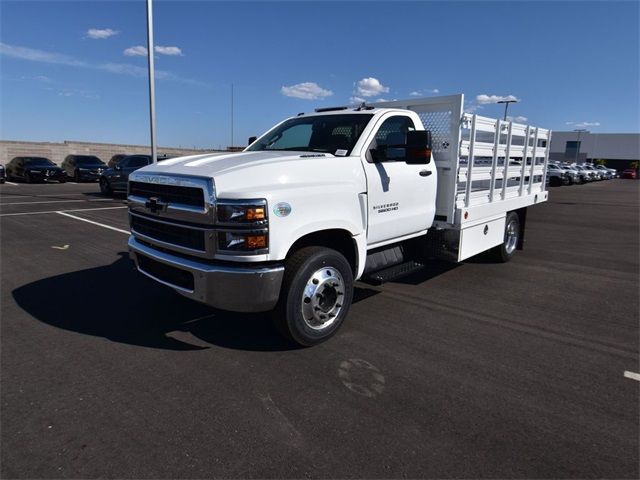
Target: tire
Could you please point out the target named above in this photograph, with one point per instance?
(555, 182)
(105, 188)
(62, 180)
(505, 251)
(76, 177)
(27, 178)
(315, 297)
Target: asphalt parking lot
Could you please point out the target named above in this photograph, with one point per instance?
(476, 371)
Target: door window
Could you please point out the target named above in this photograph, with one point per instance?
(393, 131)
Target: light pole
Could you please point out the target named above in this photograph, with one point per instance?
(152, 90)
(506, 106)
(579, 130)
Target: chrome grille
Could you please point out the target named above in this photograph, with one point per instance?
(169, 233)
(177, 194)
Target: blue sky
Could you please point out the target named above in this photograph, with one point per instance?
(71, 70)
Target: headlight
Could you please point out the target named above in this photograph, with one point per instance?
(251, 212)
(246, 223)
(247, 242)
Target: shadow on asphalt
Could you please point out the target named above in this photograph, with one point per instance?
(120, 304)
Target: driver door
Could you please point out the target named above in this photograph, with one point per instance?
(401, 197)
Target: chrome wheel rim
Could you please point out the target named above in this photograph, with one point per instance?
(511, 236)
(322, 298)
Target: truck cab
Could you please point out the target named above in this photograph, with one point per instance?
(327, 198)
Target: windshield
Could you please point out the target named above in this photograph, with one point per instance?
(89, 160)
(33, 161)
(335, 134)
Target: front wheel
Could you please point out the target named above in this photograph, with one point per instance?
(504, 252)
(316, 294)
(105, 188)
(77, 178)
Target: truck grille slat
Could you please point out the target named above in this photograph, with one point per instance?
(177, 235)
(168, 193)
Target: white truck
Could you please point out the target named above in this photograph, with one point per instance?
(323, 199)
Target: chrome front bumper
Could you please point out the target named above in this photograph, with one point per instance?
(239, 289)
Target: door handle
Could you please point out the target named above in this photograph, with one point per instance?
(425, 173)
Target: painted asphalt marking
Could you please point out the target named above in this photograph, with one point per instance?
(58, 201)
(65, 247)
(11, 183)
(632, 375)
(94, 223)
(59, 211)
(361, 377)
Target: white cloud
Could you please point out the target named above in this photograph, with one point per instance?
(422, 93)
(137, 51)
(172, 51)
(381, 100)
(41, 56)
(370, 87)
(487, 99)
(101, 33)
(77, 93)
(34, 55)
(306, 91)
(584, 124)
(472, 107)
(517, 119)
(357, 100)
(140, 51)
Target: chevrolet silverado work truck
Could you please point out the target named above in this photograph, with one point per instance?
(323, 199)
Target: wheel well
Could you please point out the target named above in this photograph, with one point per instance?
(339, 240)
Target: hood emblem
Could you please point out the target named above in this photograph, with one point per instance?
(154, 205)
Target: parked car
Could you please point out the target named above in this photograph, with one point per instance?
(607, 172)
(116, 159)
(629, 173)
(581, 176)
(83, 167)
(597, 175)
(116, 178)
(34, 169)
(3, 175)
(588, 176)
(556, 175)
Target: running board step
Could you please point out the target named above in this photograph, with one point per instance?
(392, 273)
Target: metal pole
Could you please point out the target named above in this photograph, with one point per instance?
(578, 144)
(152, 90)
(232, 116)
(506, 106)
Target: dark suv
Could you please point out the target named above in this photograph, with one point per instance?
(34, 169)
(116, 159)
(116, 178)
(83, 167)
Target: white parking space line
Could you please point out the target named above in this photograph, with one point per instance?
(94, 223)
(56, 211)
(11, 183)
(58, 201)
(632, 375)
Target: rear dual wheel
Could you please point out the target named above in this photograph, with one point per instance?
(316, 294)
(512, 231)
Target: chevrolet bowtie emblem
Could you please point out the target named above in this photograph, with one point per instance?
(154, 205)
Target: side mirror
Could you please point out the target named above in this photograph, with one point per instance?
(252, 139)
(419, 146)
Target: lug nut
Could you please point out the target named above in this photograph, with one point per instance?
(315, 281)
(307, 299)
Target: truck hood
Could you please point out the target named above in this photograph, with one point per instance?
(238, 175)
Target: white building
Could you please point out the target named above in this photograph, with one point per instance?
(617, 149)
